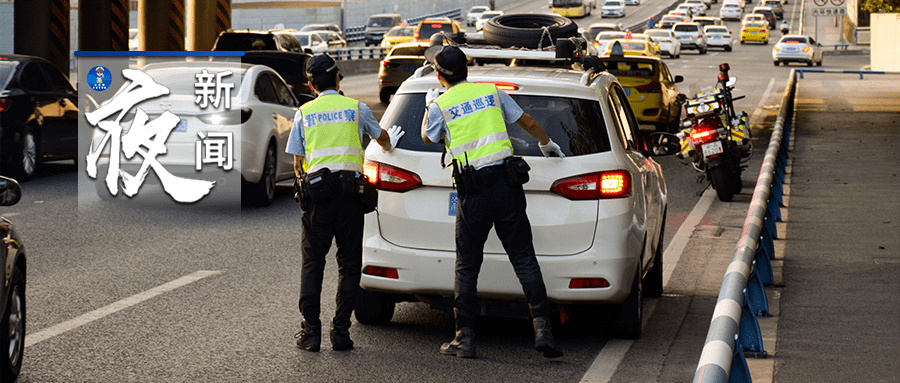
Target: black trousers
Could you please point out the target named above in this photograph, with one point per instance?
(341, 219)
(502, 206)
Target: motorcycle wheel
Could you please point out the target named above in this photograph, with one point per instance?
(721, 180)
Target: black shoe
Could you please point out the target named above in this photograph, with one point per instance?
(543, 339)
(309, 338)
(340, 340)
(463, 345)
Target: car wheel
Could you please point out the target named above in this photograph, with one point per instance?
(24, 161)
(12, 327)
(627, 317)
(819, 63)
(527, 30)
(810, 63)
(374, 308)
(385, 95)
(728, 48)
(653, 283)
(702, 51)
(263, 192)
(678, 56)
(742, 41)
(775, 63)
(766, 42)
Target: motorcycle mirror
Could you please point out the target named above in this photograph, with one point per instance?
(731, 81)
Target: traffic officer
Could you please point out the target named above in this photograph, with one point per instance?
(326, 140)
(492, 194)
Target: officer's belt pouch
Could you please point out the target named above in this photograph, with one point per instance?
(517, 170)
(321, 185)
(369, 198)
(350, 183)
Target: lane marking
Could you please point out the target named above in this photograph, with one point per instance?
(759, 108)
(47, 333)
(609, 358)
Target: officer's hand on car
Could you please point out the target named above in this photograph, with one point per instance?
(551, 148)
(432, 95)
(395, 133)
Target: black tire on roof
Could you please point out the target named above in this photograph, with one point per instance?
(527, 30)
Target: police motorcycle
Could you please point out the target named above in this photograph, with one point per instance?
(716, 139)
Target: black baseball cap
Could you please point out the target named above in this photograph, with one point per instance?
(321, 66)
(447, 59)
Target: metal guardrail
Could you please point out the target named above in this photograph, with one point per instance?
(358, 53)
(733, 328)
(352, 34)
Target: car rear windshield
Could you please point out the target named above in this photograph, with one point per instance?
(381, 22)
(630, 68)
(633, 46)
(658, 33)
(409, 51)
(401, 32)
(786, 40)
(717, 30)
(428, 29)
(687, 28)
(245, 42)
(576, 125)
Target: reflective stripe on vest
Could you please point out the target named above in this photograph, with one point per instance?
(331, 133)
(475, 124)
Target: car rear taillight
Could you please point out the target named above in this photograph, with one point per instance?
(653, 87)
(388, 64)
(387, 177)
(599, 185)
(4, 104)
(383, 272)
(588, 283)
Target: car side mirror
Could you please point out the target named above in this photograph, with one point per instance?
(664, 144)
(10, 191)
(678, 79)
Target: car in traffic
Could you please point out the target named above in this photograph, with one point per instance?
(253, 40)
(603, 38)
(597, 216)
(654, 46)
(323, 27)
(768, 13)
(261, 126)
(398, 35)
(291, 66)
(311, 42)
(38, 115)
(731, 11)
(632, 2)
(596, 28)
(696, 6)
(667, 21)
(572, 8)
(630, 47)
(691, 36)
(668, 43)
(650, 88)
(690, 10)
(475, 13)
(756, 31)
(332, 39)
(433, 25)
(777, 7)
(378, 25)
(707, 20)
(400, 63)
(718, 36)
(753, 17)
(613, 8)
(12, 290)
(479, 24)
(797, 48)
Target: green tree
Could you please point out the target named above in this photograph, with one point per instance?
(880, 6)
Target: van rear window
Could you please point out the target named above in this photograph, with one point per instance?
(576, 125)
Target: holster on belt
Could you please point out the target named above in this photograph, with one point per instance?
(466, 179)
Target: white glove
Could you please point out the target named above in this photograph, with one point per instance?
(432, 95)
(551, 148)
(395, 133)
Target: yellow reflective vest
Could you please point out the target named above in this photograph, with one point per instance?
(477, 132)
(331, 133)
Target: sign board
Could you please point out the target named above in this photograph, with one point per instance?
(829, 8)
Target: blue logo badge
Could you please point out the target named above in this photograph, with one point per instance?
(99, 78)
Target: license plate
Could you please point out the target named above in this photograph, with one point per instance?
(454, 201)
(712, 148)
(684, 37)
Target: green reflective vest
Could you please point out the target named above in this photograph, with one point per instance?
(331, 132)
(477, 132)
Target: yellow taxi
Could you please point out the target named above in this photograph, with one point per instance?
(631, 47)
(433, 25)
(653, 44)
(398, 34)
(650, 88)
(755, 31)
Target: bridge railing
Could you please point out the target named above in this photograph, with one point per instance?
(358, 33)
(733, 328)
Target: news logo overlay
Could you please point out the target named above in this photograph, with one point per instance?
(160, 127)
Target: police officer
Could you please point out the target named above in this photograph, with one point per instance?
(478, 142)
(327, 134)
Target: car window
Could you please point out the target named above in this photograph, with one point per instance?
(666, 75)
(401, 32)
(57, 80)
(264, 90)
(381, 22)
(620, 115)
(245, 42)
(285, 97)
(414, 50)
(630, 68)
(33, 79)
(687, 28)
(634, 46)
(576, 125)
(6, 72)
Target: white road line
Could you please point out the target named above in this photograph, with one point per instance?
(47, 333)
(759, 107)
(606, 363)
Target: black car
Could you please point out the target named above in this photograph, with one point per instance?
(251, 40)
(289, 65)
(12, 290)
(38, 115)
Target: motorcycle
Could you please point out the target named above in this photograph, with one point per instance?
(716, 139)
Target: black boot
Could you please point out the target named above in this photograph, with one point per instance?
(463, 345)
(340, 339)
(309, 336)
(543, 338)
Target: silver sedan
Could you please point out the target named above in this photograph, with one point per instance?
(797, 48)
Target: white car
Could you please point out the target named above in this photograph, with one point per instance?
(613, 8)
(632, 2)
(698, 5)
(690, 10)
(667, 41)
(797, 48)
(479, 24)
(597, 215)
(718, 36)
(691, 36)
(475, 13)
(731, 11)
(604, 38)
(311, 42)
(260, 122)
